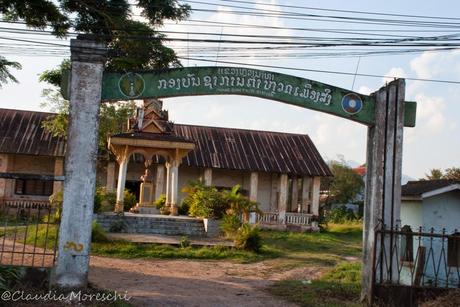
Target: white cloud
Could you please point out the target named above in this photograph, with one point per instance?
(395, 72)
(365, 90)
(435, 64)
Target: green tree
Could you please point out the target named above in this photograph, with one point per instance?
(345, 184)
(452, 173)
(434, 174)
(5, 74)
(132, 44)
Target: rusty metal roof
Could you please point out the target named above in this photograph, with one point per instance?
(264, 151)
(21, 132)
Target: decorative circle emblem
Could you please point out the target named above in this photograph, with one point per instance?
(131, 85)
(352, 103)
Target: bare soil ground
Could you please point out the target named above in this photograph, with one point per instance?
(192, 283)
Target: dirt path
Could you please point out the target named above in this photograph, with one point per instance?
(190, 283)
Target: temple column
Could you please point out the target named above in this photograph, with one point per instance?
(174, 186)
(207, 176)
(295, 195)
(110, 183)
(122, 170)
(306, 189)
(283, 197)
(315, 196)
(168, 183)
(159, 181)
(273, 193)
(253, 186)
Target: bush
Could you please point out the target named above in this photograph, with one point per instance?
(160, 202)
(98, 234)
(238, 204)
(104, 200)
(184, 207)
(9, 277)
(56, 201)
(248, 238)
(341, 215)
(230, 225)
(184, 242)
(129, 201)
(205, 201)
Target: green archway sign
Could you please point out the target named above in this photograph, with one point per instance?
(289, 89)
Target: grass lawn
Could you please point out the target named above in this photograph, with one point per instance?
(283, 249)
(339, 287)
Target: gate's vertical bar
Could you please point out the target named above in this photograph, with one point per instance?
(88, 58)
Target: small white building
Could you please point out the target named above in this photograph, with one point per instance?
(431, 208)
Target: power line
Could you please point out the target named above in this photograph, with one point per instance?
(338, 10)
(327, 71)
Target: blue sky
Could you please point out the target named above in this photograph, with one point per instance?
(433, 143)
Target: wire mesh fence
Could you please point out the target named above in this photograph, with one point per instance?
(28, 233)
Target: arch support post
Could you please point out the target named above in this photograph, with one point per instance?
(382, 204)
(88, 58)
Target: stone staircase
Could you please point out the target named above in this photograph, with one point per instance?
(152, 224)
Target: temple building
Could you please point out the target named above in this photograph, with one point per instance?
(281, 171)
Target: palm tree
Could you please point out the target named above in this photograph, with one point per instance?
(5, 74)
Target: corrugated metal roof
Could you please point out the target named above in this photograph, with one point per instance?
(417, 188)
(253, 150)
(21, 132)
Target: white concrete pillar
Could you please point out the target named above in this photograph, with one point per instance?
(88, 58)
(306, 199)
(294, 195)
(168, 183)
(274, 193)
(110, 182)
(283, 197)
(253, 186)
(159, 181)
(315, 195)
(58, 171)
(174, 187)
(207, 176)
(122, 170)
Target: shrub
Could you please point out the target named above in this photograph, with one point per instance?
(9, 277)
(184, 207)
(56, 204)
(184, 242)
(230, 225)
(205, 201)
(104, 200)
(340, 215)
(129, 201)
(98, 234)
(160, 202)
(238, 204)
(248, 238)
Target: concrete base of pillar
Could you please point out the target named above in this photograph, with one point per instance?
(174, 210)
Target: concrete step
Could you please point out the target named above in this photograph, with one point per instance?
(153, 224)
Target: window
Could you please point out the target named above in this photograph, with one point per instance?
(407, 244)
(453, 250)
(33, 187)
